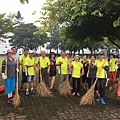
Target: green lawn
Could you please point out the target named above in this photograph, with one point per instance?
(1, 59)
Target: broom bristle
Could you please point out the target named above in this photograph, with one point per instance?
(64, 88)
(16, 99)
(88, 98)
(42, 90)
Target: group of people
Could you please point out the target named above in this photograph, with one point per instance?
(67, 67)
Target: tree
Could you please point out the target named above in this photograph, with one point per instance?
(95, 19)
(24, 37)
(7, 26)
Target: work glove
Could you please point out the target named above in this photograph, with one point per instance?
(3, 76)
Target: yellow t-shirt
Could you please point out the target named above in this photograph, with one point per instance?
(44, 62)
(112, 64)
(22, 58)
(101, 73)
(64, 67)
(77, 66)
(30, 61)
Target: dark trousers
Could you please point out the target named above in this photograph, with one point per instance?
(101, 82)
(84, 77)
(24, 77)
(70, 76)
(74, 83)
(45, 76)
(90, 82)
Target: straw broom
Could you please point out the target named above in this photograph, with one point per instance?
(64, 88)
(88, 98)
(16, 99)
(42, 90)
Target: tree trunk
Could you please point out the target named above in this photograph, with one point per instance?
(92, 50)
(82, 52)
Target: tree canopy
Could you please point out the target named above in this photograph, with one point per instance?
(83, 19)
(24, 37)
(7, 26)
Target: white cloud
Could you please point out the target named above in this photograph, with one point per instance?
(12, 6)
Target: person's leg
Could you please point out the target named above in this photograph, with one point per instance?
(98, 92)
(52, 82)
(103, 82)
(7, 89)
(83, 81)
(23, 79)
(12, 84)
(73, 85)
(27, 84)
(69, 77)
(46, 77)
(89, 82)
(78, 86)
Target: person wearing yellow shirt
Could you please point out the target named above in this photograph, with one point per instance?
(112, 63)
(76, 74)
(22, 63)
(62, 62)
(102, 67)
(43, 64)
(30, 71)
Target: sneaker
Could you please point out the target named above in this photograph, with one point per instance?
(9, 101)
(103, 102)
(11, 98)
(33, 92)
(98, 99)
(27, 93)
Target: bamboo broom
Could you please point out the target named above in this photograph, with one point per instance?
(88, 98)
(42, 90)
(64, 88)
(16, 99)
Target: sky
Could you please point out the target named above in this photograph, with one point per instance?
(26, 10)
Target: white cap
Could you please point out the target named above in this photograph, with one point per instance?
(31, 51)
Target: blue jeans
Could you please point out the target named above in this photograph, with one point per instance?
(101, 86)
(10, 85)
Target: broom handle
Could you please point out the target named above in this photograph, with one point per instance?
(40, 75)
(17, 78)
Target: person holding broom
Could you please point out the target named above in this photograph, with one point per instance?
(9, 68)
(102, 67)
(91, 74)
(76, 74)
(85, 63)
(62, 62)
(44, 65)
(113, 71)
(22, 63)
(30, 71)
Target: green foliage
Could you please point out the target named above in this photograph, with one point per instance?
(7, 26)
(24, 38)
(23, 1)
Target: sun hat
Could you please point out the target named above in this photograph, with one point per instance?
(9, 51)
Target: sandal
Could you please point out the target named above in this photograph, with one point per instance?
(78, 94)
(73, 93)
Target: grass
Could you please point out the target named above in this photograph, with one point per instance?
(1, 59)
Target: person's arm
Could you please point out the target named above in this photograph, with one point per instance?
(48, 63)
(3, 69)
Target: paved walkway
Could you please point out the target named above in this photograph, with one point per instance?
(58, 108)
